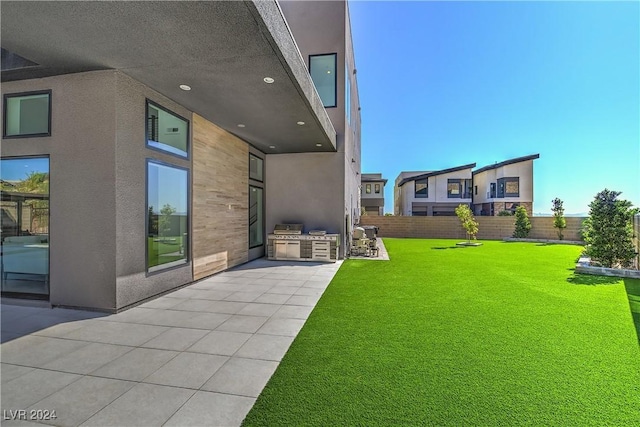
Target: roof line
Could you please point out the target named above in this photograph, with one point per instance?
(440, 172)
(508, 162)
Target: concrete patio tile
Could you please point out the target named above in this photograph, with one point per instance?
(62, 329)
(306, 300)
(309, 291)
(116, 333)
(211, 294)
(244, 280)
(133, 315)
(10, 372)
(186, 319)
(39, 355)
(24, 344)
(32, 387)
(80, 400)
(266, 280)
(143, 405)
(135, 365)
(265, 347)
(316, 284)
(88, 358)
(33, 323)
(255, 287)
(219, 342)
(253, 273)
(244, 296)
(286, 327)
(186, 292)
(237, 323)
(212, 409)
(288, 276)
(19, 423)
(269, 298)
(162, 302)
(8, 336)
(187, 370)
(178, 339)
(223, 286)
(254, 309)
(284, 290)
(244, 377)
(293, 312)
(220, 307)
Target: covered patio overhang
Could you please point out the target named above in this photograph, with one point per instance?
(226, 51)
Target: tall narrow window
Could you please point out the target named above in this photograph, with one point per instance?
(454, 189)
(368, 189)
(347, 94)
(377, 188)
(422, 188)
(255, 168)
(24, 184)
(256, 220)
(167, 131)
(27, 114)
(167, 216)
(323, 73)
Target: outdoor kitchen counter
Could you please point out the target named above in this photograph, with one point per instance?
(303, 247)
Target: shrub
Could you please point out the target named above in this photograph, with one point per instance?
(559, 221)
(523, 225)
(468, 221)
(608, 231)
(505, 213)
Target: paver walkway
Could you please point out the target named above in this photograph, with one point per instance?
(197, 356)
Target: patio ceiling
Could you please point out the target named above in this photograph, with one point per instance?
(223, 50)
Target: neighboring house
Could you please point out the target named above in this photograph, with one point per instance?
(372, 193)
(504, 186)
(176, 135)
(435, 193)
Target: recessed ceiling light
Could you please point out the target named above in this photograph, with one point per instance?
(300, 123)
(185, 87)
(240, 125)
(272, 146)
(318, 145)
(328, 71)
(268, 80)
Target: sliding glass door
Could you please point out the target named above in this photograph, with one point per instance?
(24, 206)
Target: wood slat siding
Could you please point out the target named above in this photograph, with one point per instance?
(220, 199)
(490, 228)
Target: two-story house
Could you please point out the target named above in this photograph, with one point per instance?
(372, 193)
(504, 186)
(435, 193)
(146, 145)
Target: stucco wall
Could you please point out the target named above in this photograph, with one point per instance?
(82, 184)
(490, 228)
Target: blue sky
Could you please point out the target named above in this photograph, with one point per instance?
(448, 83)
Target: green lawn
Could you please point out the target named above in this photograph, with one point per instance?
(501, 334)
(162, 250)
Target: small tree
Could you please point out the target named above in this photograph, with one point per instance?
(468, 221)
(523, 225)
(608, 231)
(505, 213)
(164, 223)
(559, 221)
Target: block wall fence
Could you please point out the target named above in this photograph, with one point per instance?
(448, 227)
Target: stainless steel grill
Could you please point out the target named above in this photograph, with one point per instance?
(288, 229)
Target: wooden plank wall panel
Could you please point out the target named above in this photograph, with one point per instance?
(220, 199)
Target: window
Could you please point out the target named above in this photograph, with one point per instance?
(323, 74)
(454, 188)
(467, 189)
(256, 217)
(24, 185)
(368, 189)
(256, 168)
(377, 188)
(475, 190)
(422, 188)
(492, 190)
(509, 187)
(27, 114)
(167, 131)
(167, 216)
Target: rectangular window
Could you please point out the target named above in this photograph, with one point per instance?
(167, 216)
(467, 189)
(454, 189)
(167, 131)
(492, 190)
(475, 190)
(422, 188)
(256, 217)
(256, 168)
(27, 114)
(509, 187)
(24, 185)
(377, 188)
(368, 189)
(323, 73)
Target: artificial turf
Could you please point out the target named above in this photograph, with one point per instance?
(501, 334)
